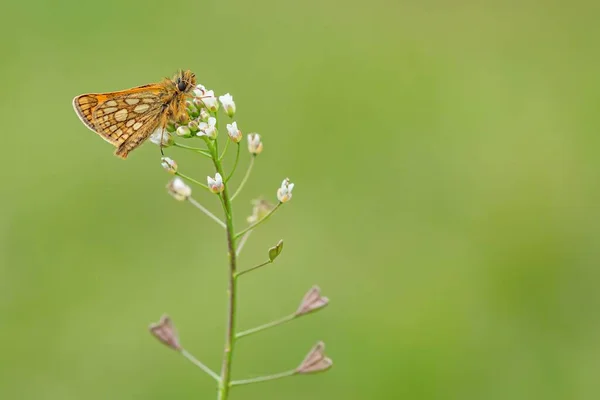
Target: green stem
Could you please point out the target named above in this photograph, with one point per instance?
(254, 225)
(187, 178)
(237, 157)
(245, 177)
(266, 326)
(225, 379)
(196, 149)
(205, 211)
(224, 150)
(200, 365)
(253, 268)
(264, 378)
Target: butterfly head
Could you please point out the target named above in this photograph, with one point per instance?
(184, 81)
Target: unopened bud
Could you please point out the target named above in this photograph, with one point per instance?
(168, 164)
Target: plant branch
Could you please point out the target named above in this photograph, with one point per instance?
(268, 325)
(254, 225)
(200, 365)
(253, 268)
(235, 163)
(204, 152)
(242, 242)
(187, 178)
(264, 378)
(224, 150)
(245, 177)
(205, 211)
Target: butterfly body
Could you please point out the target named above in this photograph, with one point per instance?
(127, 118)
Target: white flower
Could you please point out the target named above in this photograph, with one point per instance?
(228, 104)
(178, 189)
(168, 164)
(234, 133)
(284, 193)
(183, 131)
(210, 101)
(161, 136)
(215, 185)
(255, 145)
(199, 90)
(208, 129)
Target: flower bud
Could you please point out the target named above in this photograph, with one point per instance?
(161, 136)
(215, 185)
(193, 125)
(315, 361)
(168, 164)
(284, 193)
(255, 145)
(165, 332)
(234, 133)
(228, 104)
(183, 131)
(178, 189)
(204, 114)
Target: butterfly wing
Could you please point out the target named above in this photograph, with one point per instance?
(126, 116)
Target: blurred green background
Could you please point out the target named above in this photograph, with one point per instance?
(446, 166)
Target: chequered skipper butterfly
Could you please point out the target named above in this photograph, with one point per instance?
(127, 118)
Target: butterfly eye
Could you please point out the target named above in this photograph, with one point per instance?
(181, 85)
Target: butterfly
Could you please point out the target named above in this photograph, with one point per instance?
(127, 118)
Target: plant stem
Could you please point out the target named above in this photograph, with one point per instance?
(253, 268)
(237, 157)
(205, 211)
(196, 149)
(242, 242)
(245, 177)
(264, 378)
(254, 225)
(224, 150)
(187, 178)
(200, 365)
(266, 326)
(224, 384)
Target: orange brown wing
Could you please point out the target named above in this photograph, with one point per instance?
(116, 116)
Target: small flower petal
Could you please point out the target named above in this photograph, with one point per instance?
(284, 193)
(178, 189)
(228, 104)
(234, 133)
(215, 184)
(161, 136)
(255, 145)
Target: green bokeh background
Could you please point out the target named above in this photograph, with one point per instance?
(445, 156)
